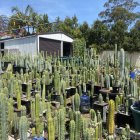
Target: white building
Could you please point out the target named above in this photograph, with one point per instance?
(57, 42)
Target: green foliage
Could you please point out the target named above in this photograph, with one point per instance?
(79, 46)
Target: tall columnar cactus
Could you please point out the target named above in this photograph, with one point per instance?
(3, 117)
(111, 112)
(100, 99)
(29, 87)
(61, 123)
(85, 125)
(127, 107)
(33, 110)
(122, 63)
(72, 129)
(18, 99)
(51, 129)
(23, 128)
(117, 102)
(39, 126)
(77, 125)
(43, 96)
(76, 102)
(99, 125)
(37, 105)
(107, 81)
(115, 55)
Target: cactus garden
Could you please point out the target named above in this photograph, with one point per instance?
(47, 97)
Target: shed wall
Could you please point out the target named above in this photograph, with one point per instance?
(24, 45)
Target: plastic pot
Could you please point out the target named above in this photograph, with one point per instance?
(136, 115)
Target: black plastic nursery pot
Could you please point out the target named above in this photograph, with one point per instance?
(55, 97)
(122, 119)
(68, 92)
(102, 108)
(5, 65)
(116, 89)
(93, 99)
(24, 87)
(18, 69)
(72, 91)
(136, 115)
(111, 95)
(97, 89)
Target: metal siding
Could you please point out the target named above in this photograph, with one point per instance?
(24, 45)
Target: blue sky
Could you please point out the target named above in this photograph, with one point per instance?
(84, 10)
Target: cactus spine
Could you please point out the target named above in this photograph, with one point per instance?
(111, 113)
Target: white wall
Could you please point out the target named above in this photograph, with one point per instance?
(26, 45)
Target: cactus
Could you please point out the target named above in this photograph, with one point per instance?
(23, 110)
(111, 113)
(99, 125)
(127, 107)
(77, 125)
(93, 115)
(23, 128)
(117, 102)
(122, 63)
(107, 98)
(37, 105)
(43, 97)
(107, 81)
(91, 134)
(127, 132)
(29, 87)
(33, 132)
(3, 117)
(61, 123)
(72, 129)
(33, 110)
(51, 129)
(39, 126)
(18, 99)
(100, 99)
(123, 134)
(76, 102)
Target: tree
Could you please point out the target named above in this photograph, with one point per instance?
(85, 30)
(99, 35)
(21, 19)
(119, 10)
